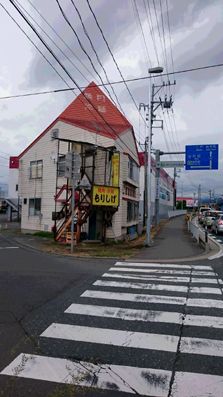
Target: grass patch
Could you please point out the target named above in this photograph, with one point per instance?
(43, 234)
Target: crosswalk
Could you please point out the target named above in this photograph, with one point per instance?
(142, 328)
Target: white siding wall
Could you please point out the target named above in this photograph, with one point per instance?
(165, 205)
(126, 144)
(68, 131)
(13, 180)
(46, 149)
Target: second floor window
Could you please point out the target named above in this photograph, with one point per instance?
(36, 169)
(133, 170)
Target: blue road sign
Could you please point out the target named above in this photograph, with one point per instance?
(201, 157)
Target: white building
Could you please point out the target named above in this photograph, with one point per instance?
(166, 191)
(93, 127)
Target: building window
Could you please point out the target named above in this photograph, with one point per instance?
(34, 206)
(36, 169)
(132, 211)
(16, 187)
(61, 165)
(133, 170)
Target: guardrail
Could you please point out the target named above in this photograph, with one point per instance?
(172, 214)
(201, 235)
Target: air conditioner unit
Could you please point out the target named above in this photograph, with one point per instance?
(55, 133)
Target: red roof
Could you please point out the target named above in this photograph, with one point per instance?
(94, 111)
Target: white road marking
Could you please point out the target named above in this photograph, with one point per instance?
(219, 241)
(157, 271)
(210, 303)
(203, 321)
(206, 347)
(8, 248)
(122, 296)
(158, 299)
(163, 265)
(113, 337)
(204, 280)
(126, 314)
(146, 286)
(142, 381)
(153, 265)
(188, 384)
(205, 290)
(171, 279)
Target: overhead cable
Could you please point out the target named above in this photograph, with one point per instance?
(113, 57)
(96, 54)
(63, 41)
(68, 74)
(37, 48)
(81, 45)
(114, 82)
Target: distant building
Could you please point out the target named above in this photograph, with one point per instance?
(166, 190)
(187, 202)
(12, 198)
(107, 190)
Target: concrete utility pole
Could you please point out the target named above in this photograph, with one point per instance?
(199, 196)
(166, 104)
(157, 183)
(174, 189)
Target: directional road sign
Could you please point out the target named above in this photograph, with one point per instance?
(170, 164)
(201, 157)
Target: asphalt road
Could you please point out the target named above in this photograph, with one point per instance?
(116, 330)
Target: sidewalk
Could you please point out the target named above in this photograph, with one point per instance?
(172, 242)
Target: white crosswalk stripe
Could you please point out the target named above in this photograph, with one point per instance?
(107, 316)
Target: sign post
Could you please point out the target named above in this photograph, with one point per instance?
(201, 157)
(72, 170)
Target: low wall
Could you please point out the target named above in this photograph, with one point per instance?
(201, 236)
(172, 214)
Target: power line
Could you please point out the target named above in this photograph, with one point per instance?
(170, 39)
(115, 82)
(110, 128)
(47, 60)
(81, 45)
(149, 18)
(47, 35)
(96, 54)
(142, 32)
(164, 38)
(62, 40)
(113, 57)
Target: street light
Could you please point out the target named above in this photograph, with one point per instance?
(156, 70)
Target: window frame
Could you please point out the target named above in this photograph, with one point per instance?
(36, 209)
(36, 169)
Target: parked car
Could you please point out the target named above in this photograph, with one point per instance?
(209, 217)
(217, 226)
(201, 212)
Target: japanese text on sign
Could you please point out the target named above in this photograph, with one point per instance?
(105, 196)
(115, 169)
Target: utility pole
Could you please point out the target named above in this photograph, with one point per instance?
(174, 189)
(210, 195)
(199, 195)
(157, 184)
(165, 104)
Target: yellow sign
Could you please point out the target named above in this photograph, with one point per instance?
(115, 169)
(105, 195)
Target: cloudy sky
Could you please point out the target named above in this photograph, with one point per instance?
(139, 37)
